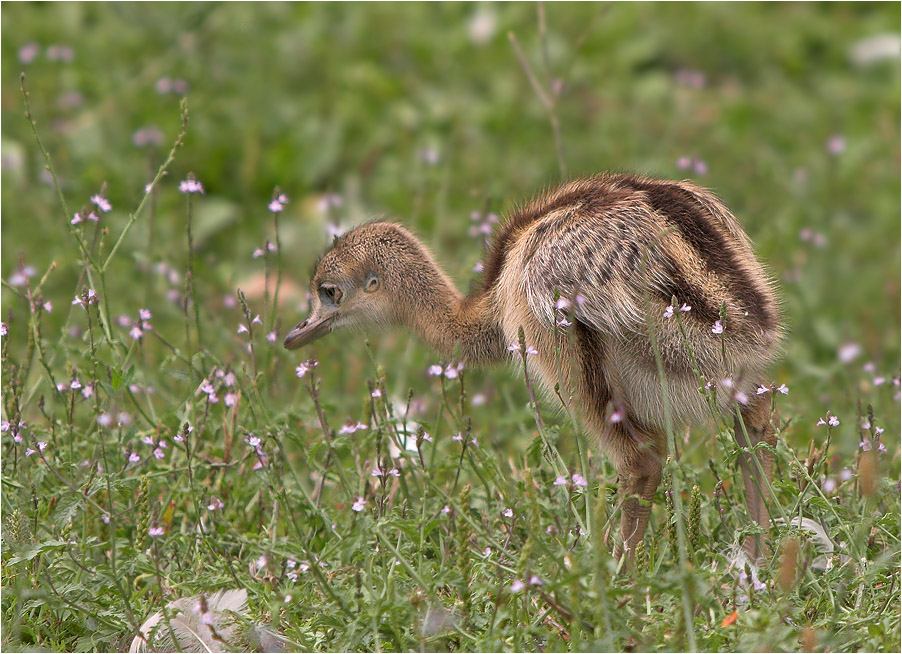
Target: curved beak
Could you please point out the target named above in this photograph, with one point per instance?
(308, 331)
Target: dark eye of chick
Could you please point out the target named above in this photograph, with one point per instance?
(330, 292)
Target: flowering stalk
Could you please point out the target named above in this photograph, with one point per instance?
(161, 171)
(190, 295)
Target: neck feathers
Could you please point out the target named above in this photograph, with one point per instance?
(432, 308)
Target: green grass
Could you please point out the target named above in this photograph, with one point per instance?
(321, 99)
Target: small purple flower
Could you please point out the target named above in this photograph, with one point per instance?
(430, 156)
(145, 136)
(685, 308)
(272, 336)
(136, 333)
(358, 505)
(29, 52)
(535, 580)
(134, 457)
(155, 532)
(328, 201)
(616, 416)
(104, 420)
(561, 481)
(783, 388)
(77, 219)
(230, 399)
(761, 390)
(215, 504)
(4, 329)
(848, 352)
(508, 513)
(836, 145)
(717, 328)
(275, 206)
(668, 312)
(102, 203)
(191, 185)
(242, 329)
(158, 453)
(376, 393)
(830, 420)
(518, 585)
(579, 480)
(436, 370)
(60, 53)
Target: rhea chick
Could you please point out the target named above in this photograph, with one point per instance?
(617, 249)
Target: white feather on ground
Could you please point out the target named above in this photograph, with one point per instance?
(216, 630)
(819, 537)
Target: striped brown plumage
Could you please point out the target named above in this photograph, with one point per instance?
(620, 248)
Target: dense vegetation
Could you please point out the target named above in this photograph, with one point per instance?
(158, 442)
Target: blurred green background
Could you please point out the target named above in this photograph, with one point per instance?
(421, 112)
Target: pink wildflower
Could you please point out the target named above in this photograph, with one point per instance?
(191, 185)
(102, 203)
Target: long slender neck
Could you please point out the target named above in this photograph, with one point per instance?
(453, 325)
